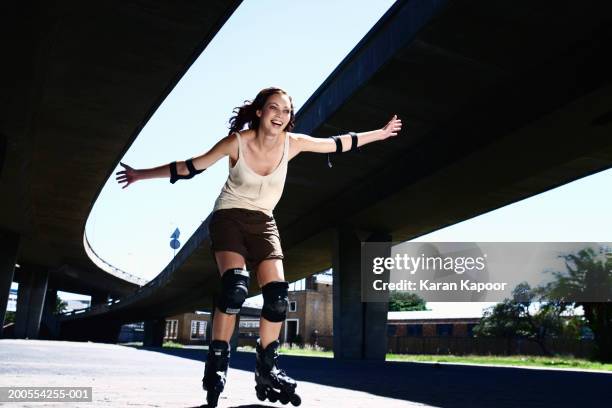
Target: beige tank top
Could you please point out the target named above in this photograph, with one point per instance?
(246, 189)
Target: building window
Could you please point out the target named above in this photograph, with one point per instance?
(292, 329)
(391, 330)
(249, 324)
(292, 306)
(171, 329)
(198, 330)
(444, 329)
(415, 330)
(470, 329)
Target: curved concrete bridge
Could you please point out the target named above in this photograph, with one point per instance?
(501, 100)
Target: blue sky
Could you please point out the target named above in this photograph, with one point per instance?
(131, 228)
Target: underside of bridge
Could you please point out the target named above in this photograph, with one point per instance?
(79, 81)
(500, 101)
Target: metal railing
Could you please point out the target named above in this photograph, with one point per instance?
(107, 267)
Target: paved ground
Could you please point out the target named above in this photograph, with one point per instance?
(126, 376)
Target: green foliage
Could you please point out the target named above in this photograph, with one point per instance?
(588, 276)
(518, 360)
(9, 317)
(548, 310)
(526, 315)
(60, 305)
(405, 302)
(172, 344)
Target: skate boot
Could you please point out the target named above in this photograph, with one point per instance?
(271, 382)
(215, 372)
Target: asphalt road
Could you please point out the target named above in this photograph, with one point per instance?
(128, 376)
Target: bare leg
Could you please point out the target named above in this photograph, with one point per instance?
(223, 325)
(271, 382)
(268, 271)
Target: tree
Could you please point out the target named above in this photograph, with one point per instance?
(405, 302)
(588, 278)
(523, 316)
(60, 305)
(9, 317)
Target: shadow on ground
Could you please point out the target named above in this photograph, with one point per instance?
(242, 406)
(452, 386)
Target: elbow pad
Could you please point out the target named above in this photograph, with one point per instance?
(174, 176)
(339, 145)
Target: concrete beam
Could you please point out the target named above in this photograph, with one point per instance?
(49, 322)
(359, 327)
(234, 339)
(375, 313)
(9, 247)
(2, 151)
(50, 300)
(99, 298)
(31, 301)
(154, 331)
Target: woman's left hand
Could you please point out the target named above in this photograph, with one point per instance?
(392, 128)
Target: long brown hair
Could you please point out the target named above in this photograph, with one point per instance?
(247, 113)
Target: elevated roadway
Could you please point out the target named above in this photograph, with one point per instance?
(79, 81)
(501, 101)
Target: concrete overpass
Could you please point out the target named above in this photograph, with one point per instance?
(79, 81)
(501, 100)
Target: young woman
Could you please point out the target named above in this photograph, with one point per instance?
(243, 232)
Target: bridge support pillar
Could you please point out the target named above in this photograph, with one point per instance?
(209, 326)
(50, 327)
(50, 301)
(235, 335)
(9, 245)
(360, 328)
(99, 298)
(30, 301)
(154, 331)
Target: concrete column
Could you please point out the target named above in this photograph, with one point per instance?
(234, 339)
(375, 313)
(30, 301)
(209, 326)
(48, 318)
(9, 246)
(99, 298)
(154, 331)
(359, 327)
(50, 300)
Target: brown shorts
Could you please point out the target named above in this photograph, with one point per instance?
(253, 234)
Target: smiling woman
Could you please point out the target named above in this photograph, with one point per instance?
(243, 232)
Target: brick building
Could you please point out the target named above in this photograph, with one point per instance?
(187, 328)
(433, 323)
(309, 318)
(310, 315)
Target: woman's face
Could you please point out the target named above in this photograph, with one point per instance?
(275, 114)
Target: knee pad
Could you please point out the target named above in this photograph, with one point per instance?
(275, 302)
(234, 290)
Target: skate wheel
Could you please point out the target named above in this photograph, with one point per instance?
(272, 397)
(295, 400)
(284, 399)
(261, 394)
(212, 398)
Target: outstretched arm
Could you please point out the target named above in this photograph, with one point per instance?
(200, 163)
(328, 145)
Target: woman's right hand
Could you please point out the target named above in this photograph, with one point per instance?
(127, 176)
